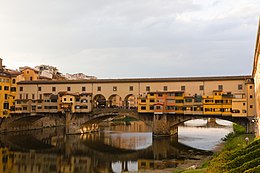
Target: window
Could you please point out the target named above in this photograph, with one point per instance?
(158, 107)
(114, 88)
(244, 104)
(170, 94)
(251, 96)
(220, 87)
(64, 99)
(152, 100)
(251, 87)
(83, 107)
(84, 101)
(143, 107)
(131, 88)
(6, 96)
(143, 100)
(178, 101)
(188, 100)
(6, 88)
(170, 100)
(21, 96)
(240, 87)
(0, 87)
(201, 87)
(33, 96)
(68, 88)
(178, 94)
(148, 88)
(40, 96)
(53, 89)
(6, 105)
(13, 81)
(13, 89)
(183, 88)
(165, 88)
(26, 96)
(71, 99)
(83, 88)
(31, 78)
(39, 88)
(160, 95)
(251, 106)
(99, 88)
(151, 107)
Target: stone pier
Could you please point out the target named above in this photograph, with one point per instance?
(161, 125)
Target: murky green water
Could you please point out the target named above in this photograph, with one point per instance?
(119, 147)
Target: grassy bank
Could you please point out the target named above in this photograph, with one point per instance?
(238, 155)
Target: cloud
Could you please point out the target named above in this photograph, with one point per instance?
(123, 38)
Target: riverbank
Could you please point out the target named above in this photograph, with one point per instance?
(234, 155)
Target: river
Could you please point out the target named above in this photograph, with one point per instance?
(118, 147)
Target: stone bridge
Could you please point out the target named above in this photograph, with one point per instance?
(162, 124)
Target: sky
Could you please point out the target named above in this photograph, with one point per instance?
(131, 38)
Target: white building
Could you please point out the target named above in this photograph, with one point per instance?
(78, 76)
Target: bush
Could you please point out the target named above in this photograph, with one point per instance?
(253, 170)
(246, 166)
(256, 142)
(248, 149)
(243, 159)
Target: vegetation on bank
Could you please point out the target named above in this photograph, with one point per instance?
(238, 155)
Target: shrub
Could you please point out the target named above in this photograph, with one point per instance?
(243, 159)
(248, 149)
(253, 170)
(246, 166)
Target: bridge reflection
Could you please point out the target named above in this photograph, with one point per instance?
(48, 150)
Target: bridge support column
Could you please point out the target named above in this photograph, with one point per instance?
(251, 126)
(161, 125)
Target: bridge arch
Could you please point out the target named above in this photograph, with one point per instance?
(115, 101)
(130, 101)
(99, 101)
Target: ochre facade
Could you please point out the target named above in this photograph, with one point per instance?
(227, 96)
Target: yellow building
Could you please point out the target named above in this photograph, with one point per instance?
(161, 102)
(7, 90)
(218, 103)
(78, 103)
(29, 73)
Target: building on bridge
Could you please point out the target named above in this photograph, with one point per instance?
(225, 95)
(7, 90)
(218, 103)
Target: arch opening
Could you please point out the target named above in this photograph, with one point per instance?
(99, 101)
(130, 102)
(115, 101)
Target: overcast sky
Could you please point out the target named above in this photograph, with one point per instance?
(131, 38)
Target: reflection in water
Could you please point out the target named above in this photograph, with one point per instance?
(49, 150)
(202, 137)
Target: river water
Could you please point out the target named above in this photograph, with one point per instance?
(118, 147)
